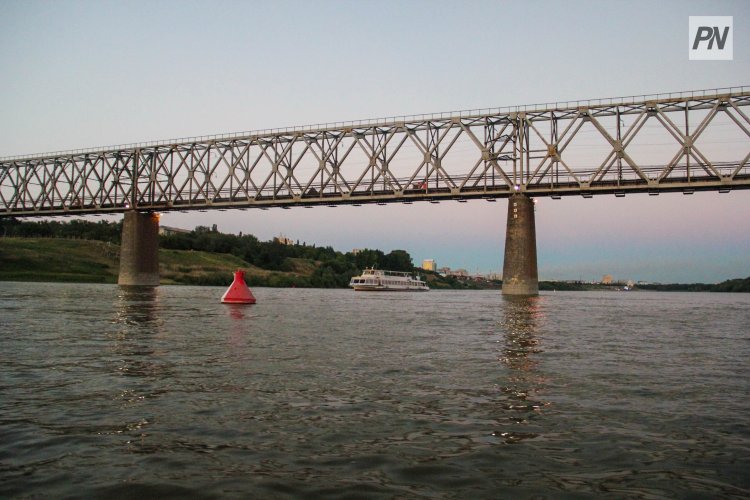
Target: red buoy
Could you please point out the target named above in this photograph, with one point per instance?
(238, 292)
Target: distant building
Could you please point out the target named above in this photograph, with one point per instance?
(355, 251)
(169, 231)
(607, 279)
(429, 265)
(460, 273)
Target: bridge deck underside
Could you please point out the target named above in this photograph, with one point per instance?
(683, 144)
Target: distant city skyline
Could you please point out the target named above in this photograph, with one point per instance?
(100, 73)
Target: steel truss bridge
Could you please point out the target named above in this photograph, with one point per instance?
(681, 142)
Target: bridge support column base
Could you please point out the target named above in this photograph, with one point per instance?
(520, 276)
(139, 249)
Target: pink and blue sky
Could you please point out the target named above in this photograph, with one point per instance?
(92, 73)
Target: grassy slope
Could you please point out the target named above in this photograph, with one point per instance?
(46, 259)
(61, 260)
(50, 259)
(205, 268)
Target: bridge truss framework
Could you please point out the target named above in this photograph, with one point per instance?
(684, 142)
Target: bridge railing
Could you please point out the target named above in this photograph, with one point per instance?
(552, 179)
(435, 189)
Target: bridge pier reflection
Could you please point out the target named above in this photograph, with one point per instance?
(522, 405)
(520, 276)
(139, 249)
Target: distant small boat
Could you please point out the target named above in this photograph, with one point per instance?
(378, 280)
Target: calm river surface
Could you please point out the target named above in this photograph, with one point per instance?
(116, 393)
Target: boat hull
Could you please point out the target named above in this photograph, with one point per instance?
(371, 288)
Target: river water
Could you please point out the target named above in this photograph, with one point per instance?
(118, 393)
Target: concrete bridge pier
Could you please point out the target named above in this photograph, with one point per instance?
(139, 249)
(520, 276)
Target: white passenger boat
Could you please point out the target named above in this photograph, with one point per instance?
(378, 280)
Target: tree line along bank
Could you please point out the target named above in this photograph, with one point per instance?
(283, 265)
(296, 264)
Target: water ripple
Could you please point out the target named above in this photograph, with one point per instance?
(126, 392)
